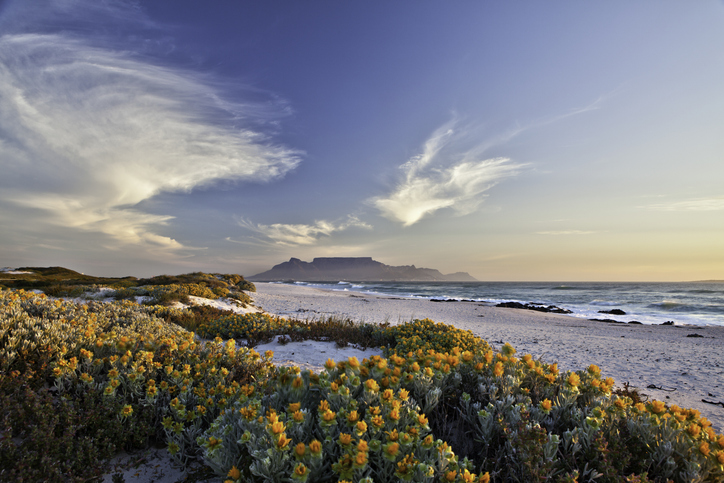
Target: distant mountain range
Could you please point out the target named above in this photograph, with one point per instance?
(360, 269)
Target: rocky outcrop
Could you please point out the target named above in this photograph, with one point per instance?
(360, 269)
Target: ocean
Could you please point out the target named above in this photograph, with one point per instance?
(696, 303)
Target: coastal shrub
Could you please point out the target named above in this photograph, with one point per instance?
(427, 335)
(88, 379)
(95, 378)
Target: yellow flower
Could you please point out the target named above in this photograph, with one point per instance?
(360, 459)
(546, 405)
(300, 471)
(315, 447)
(234, 473)
(391, 450)
(345, 439)
(371, 385)
(658, 407)
(484, 478)
(362, 446)
(450, 476)
(283, 442)
(328, 416)
(214, 443)
(694, 430)
(298, 416)
(704, 448)
(468, 477)
(330, 364)
(498, 369)
(573, 380)
(294, 407)
(352, 417)
(353, 362)
(299, 450)
(127, 410)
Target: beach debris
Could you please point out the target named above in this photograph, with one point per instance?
(719, 403)
(660, 388)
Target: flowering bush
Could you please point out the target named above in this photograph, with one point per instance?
(79, 381)
(113, 370)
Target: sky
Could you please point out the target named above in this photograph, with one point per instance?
(515, 141)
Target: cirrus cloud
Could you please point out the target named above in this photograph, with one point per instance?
(441, 177)
(302, 234)
(88, 131)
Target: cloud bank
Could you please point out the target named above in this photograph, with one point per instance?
(441, 177)
(301, 234)
(700, 204)
(88, 132)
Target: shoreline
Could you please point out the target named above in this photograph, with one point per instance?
(675, 364)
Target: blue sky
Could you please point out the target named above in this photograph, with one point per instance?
(513, 140)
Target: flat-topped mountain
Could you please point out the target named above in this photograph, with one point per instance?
(360, 269)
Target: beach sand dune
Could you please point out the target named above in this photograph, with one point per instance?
(680, 365)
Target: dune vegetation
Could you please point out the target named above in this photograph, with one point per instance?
(81, 380)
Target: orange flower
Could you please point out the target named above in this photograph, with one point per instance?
(315, 447)
(234, 473)
(573, 380)
(658, 407)
(299, 450)
(498, 369)
(283, 442)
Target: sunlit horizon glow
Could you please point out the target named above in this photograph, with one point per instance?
(530, 142)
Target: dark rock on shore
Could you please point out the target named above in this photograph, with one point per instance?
(451, 300)
(608, 321)
(612, 312)
(537, 307)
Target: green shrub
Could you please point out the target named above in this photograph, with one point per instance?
(450, 410)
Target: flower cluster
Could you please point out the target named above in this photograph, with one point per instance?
(425, 334)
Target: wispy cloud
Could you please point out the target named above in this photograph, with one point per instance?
(565, 232)
(699, 204)
(88, 131)
(441, 177)
(301, 234)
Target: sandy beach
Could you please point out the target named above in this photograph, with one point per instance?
(677, 364)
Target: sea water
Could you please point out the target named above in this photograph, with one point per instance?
(697, 303)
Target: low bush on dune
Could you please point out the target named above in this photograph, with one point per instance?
(80, 382)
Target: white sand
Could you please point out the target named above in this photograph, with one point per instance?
(687, 369)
